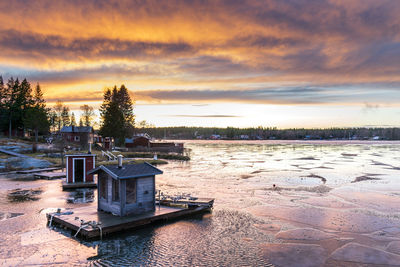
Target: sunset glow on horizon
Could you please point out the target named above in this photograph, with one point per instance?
(325, 63)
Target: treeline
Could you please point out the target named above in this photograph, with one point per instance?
(22, 108)
(265, 133)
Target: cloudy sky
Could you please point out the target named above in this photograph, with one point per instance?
(283, 63)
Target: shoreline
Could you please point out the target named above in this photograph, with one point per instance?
(290, 142)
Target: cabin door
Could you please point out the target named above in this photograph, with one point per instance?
(78, 170)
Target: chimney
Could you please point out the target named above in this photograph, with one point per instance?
(119, 161)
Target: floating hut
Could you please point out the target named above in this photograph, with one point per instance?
(126, 200)
(128, 189)
(77, 169)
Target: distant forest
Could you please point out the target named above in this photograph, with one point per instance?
(260, 133)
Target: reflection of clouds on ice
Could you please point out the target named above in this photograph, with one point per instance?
(242, 176)
(250, 216)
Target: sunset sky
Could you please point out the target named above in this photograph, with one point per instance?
(283, 63)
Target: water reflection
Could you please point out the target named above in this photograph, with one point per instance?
(19, 195)
(8, 215)
(81, 195)
(225, 238)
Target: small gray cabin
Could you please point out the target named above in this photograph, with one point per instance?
(126, 189)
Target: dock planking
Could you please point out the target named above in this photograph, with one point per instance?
(39, 170)
(189, 202)
(49, 175)
(67, 186)
(111, 224)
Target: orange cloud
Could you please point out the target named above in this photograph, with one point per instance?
(76, 48)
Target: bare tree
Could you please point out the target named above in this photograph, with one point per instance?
(58, 108)
(87, 115)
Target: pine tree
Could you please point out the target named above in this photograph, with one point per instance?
(52, 117)
(117, 114)
(125, 104)
(38, 97)
(65, 116)
(11, 103)
(73, 120)
(113, 123)
(37, 115)
(3, 99)
(58, 109)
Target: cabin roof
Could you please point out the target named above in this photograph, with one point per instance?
(76, 129)
(128, 170)
(80, 155)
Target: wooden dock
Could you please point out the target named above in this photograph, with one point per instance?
(39, 170)
(67, 186)
(97, 224)
(49, 175)
(206, 202)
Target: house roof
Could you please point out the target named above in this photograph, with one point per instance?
(80, 155)
(77, 129)
(128, 170)
(141, 135)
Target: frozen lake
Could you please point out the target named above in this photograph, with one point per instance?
(333, 204)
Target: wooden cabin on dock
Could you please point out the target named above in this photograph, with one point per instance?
(77, 167)
(126, 200)
(126, 189)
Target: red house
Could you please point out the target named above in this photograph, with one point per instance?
(138, 141)
(77, 168)
(77, 134)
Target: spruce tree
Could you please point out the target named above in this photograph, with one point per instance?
(65, 116)
(3, 99)
(11, 103)
(73, 120)
(58, 109)
(117, 114)
(37, 115)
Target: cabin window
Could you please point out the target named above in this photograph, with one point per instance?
(115, 188)
(77, 138)
(130, 191)
(103, 187)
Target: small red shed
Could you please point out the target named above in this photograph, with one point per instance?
(78, 166)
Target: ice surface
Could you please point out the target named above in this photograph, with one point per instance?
(354, 252)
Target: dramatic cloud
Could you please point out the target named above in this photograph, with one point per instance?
(36, 46)
(274, 51)
(283, 95)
